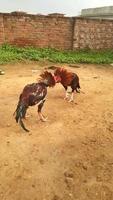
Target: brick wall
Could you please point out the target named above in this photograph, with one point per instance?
(38, 30)
(55, 31)
(2, 38)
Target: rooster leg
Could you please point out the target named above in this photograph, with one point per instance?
(66, 93)
(72, 97)
(42, 118)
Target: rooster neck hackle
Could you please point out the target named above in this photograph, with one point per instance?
(47, 78)
(66, 76)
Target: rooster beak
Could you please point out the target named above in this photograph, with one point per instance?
(57, 79)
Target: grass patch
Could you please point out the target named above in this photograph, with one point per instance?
(10, 54)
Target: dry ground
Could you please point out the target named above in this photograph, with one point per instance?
(69, 157)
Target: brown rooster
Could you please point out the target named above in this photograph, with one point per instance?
(33, 94)
(67, 78)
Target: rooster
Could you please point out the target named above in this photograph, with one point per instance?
(67, 78)
(33, 94)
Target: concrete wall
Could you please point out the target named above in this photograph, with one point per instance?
(105, 12)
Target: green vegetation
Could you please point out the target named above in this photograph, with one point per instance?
(10, 54)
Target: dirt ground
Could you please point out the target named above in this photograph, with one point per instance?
(69, 157)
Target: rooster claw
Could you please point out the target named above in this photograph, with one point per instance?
(70, 101)
(43, 119)
(65, 98)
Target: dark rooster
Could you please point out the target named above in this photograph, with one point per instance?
(67, 78)
(33, 94)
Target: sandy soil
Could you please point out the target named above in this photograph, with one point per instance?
(69, 157)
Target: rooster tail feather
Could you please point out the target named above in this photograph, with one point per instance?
(20, 113)
(78, 86)
(22, 125)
